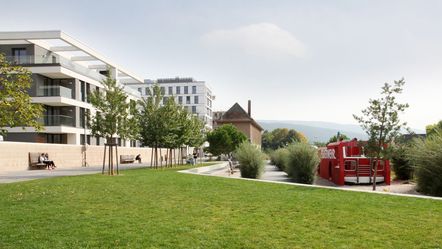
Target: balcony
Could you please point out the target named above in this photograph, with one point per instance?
(31, 60)
(58, 120)
(51, 91)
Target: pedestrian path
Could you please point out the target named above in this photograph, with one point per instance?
(26, 175)
(274, 175)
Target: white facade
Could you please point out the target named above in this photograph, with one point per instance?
(65, 71)
(195, 96)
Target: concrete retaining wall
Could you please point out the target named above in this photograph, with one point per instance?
(14, 155)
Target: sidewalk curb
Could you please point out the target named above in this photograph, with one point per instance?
(200, 171)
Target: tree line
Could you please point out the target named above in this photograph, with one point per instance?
(155, 124)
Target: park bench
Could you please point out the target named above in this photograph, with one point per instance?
(127, 159)
(34, 162)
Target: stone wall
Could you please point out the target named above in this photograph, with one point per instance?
(14, 155)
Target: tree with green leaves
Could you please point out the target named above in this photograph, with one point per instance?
(167, 125)
(151, 124)
(281, 137)
(338, 137)
(16, 108)
(433, 128)
(224, 139)
(380, 120)
(115, 116)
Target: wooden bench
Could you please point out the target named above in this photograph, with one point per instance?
(127, 159)
(34, 162)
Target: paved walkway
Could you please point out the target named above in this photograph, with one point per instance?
(273, 174)
(26, 175)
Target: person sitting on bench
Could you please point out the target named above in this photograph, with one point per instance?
(44, 158)
(138, 158)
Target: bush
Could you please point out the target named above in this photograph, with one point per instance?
(426, 157)
(251, 160)
(279, 158)
(401, 164)
(302, 162)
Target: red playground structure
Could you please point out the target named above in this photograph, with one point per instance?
(344, 161)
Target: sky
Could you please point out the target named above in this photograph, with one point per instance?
(295, 60)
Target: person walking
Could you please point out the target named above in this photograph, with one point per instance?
(195, 156)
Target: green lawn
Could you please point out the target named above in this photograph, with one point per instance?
(147, 208)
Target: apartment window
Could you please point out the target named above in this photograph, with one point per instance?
(165, 100)
(186, 89)
(178, 90)
(83, 90)
(57, 138)
(97, 140)
(139, 89)
(193, 109)
(20, 55)
(147, 91)
(82, 117)
(88, 92)
(193, 89)
(187, 99)
(195, 99)
(163, 91)
(170, 91)
(180, 100)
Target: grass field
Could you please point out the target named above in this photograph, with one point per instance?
(147, 208)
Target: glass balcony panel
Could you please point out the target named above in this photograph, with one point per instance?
(57, 120)
(50, 91)
(30, 60)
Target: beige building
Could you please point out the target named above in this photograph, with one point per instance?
(242, 120)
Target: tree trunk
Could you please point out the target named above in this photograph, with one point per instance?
(174, 156)
(151, 157)
(156, 157)
(171, 157)
(161, 158)
(375, 171)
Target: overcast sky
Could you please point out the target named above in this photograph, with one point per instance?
(296, 60)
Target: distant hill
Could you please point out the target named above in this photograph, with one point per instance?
(318, 131)
(315, 131)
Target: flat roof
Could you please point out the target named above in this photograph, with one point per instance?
(66, 46)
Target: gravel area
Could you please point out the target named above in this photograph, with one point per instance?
(272, 173)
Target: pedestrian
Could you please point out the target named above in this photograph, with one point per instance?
(195, 156)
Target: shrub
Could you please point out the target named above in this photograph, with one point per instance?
(401, 164)
(302, 162)
(426, 157)
(279, 158)
(251, 160)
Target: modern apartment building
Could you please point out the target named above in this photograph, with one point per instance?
(195, 96)
(64, 72)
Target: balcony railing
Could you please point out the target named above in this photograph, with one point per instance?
(31, 60)
(49, 91)
(58, 120)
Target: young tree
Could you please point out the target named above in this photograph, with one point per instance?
(152, 123)
(433, 128)
(281, 137)
(115, 115)
(380, 120)
(224, 139)
(16, 108)
(335, 138)
(167, 125)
